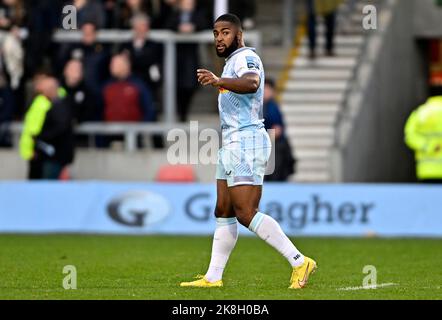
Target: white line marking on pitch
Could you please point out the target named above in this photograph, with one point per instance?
(382, 285)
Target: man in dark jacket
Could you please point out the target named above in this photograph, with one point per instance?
(54, 145)
(327, 9)
(42, 18)
(284, 160)
(95, 59)
(7, 105)
(80, 98)
(186, 19)
(90, 11)
(145, 55)
(78, 94)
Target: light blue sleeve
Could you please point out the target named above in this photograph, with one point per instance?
(247, 62)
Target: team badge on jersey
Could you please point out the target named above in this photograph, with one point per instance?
(252, 62)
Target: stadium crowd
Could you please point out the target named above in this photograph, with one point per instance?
(98, 78)
(53, 86)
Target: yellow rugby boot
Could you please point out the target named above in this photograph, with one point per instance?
(301, 274)
(202, 282)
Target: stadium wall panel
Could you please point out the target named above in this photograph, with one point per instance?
(110, 165)
(393, 82)
(427, 19)
(138, 208)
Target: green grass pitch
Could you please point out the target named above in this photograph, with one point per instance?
(151, 267)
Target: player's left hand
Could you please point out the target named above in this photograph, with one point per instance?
(205, 77)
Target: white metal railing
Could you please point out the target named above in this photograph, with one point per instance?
(128, 130)
(169, 39)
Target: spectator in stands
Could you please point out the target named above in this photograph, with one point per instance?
(273, 120)
(6, 109)
(164, 9)
(146, 59)
(32, 125)
(7, 103)
(157, 10)
(12, 18)
(79, 96)
(90, 11)
(45, 18)
(423, 132)
(145, 54)
(126, 98)
(130, 9)
(244, 9)
(13, 56)
(47, 140)
(12, 14)
(186, 19)
(327, 9)
(111, 13)
(95, 59)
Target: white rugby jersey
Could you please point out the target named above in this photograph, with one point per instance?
(241, 111)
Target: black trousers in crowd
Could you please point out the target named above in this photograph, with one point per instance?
(330, 24)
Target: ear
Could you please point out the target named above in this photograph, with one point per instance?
(240, 37)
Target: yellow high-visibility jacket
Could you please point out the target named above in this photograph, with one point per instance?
(423, 134)
(33, 123)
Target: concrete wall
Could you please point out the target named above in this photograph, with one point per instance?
(392, 80)
(105, 165)
(427, 19)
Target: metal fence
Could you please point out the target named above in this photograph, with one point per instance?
(129, 131)
(169, 39)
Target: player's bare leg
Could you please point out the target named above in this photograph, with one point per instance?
(224, 239)
(245, 200)
(224, 206)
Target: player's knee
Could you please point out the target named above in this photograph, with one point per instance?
(223, 211)
(243, 221)
(245, 215)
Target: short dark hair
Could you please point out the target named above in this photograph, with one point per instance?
(230, 17)
(270, 82)
(89, 22)
(43, 72)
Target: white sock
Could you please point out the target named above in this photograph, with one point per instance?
(224, 241)
(270, 231)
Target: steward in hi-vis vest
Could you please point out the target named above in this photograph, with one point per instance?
(423, 134)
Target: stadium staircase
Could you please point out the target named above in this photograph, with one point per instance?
(314, 92)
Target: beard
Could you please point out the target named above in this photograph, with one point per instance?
(228, 50)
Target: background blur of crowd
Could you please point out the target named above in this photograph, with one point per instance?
(99, 79)
(311, 108)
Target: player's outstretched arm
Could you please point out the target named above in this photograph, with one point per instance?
(248, 83)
